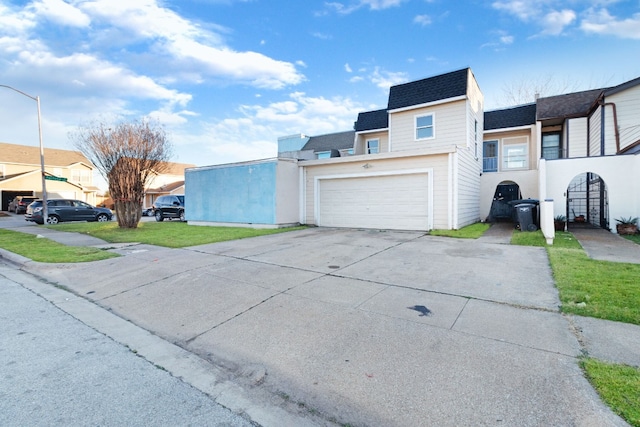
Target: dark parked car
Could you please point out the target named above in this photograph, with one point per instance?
(169, 206)
(59, 210)
(19, 204)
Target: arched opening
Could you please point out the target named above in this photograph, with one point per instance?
(587, 201)
(501, 209)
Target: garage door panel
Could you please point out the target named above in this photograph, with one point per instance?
(390, 201)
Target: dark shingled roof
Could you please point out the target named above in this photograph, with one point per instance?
(623, 86)
(432, 89)
(510, 117)
(336, 141)
(370, 120)
(570, 105)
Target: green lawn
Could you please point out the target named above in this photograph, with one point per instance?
(588, 287)
(633, 237)
(45, 250)
(472, 231)
(171, 234)
(617, 385)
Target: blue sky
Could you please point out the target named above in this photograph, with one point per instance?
(228, 77)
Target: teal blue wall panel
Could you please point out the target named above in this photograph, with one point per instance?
(244, 193)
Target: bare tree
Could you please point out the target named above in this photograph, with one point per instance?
(125, 154)
(527, 90)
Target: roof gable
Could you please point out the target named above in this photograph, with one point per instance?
(171, 168)
(622, 87)
(370, 120)
(522, 115)
(332, 141)
(30, 155)
(443, 86)
(569, 105)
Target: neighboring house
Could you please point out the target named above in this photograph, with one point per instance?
(435, 159)
(590, 145)
(170, 180)
(70, 173)
(303, 147)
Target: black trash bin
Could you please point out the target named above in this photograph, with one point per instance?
(526, 214)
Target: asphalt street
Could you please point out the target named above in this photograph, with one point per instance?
(57, 371)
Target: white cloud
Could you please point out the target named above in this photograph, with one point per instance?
(347, 68)
(524, 10)
(62, 13)
(15, 22)
(321, 36)
(343, 9)
(254, 133)
(191, 45)
(423, 20)
(503, 39)
(506, 39)
(381, 4)
(385, 79)
(601, 22)
(555, 22)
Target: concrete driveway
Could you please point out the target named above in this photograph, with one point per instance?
(362, 327)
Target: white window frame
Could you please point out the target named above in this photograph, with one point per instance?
(505, 158)
(432, 126)
(368, 146)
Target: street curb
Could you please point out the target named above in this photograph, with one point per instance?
(13, 258)
(180, 363)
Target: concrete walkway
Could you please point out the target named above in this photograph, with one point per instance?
(361, 327)
(606, 246)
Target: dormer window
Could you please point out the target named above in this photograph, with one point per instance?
(373, 146)
(425, 127)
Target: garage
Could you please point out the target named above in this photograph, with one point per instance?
(397, 201)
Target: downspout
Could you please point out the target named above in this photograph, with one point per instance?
(615, 122)
(450, 191)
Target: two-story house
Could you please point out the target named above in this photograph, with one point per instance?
(70, 173)
(416, 164)
(435, 159)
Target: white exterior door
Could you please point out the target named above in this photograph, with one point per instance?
(397, 202)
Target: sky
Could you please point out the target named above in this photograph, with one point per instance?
(226, 78)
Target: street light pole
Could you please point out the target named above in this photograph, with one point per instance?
(45, 213)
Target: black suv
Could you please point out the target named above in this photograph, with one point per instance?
(169, 206)
(66, 210)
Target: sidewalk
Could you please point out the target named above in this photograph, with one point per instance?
(606, 246)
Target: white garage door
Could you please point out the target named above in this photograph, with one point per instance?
(398, 202)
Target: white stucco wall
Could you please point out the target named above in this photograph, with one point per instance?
(287, 192)
(621, 175)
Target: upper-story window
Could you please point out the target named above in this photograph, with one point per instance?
(515, 153)
(490, 156)
(324, 154)
(373, 146)
(81, 176)
(551, 146)
(425, 128)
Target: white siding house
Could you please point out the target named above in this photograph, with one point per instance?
(433, 158)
